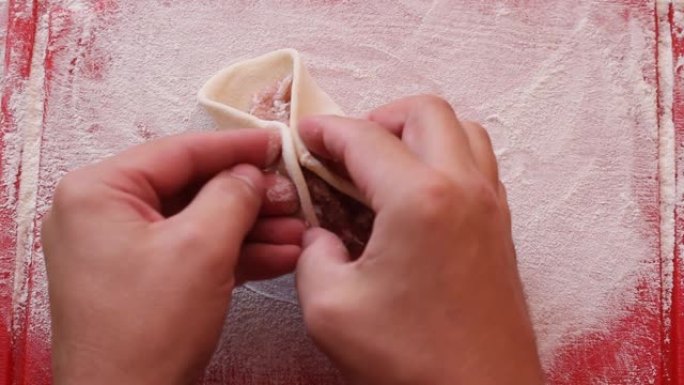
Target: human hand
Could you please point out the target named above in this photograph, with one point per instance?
(143, 251)
(435, 298)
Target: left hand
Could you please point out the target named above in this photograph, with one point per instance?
(144, 249)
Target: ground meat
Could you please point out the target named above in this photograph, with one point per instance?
(273, 103)
(350, 220)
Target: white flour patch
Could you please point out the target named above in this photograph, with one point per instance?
(281, 191)
(667, 163)
(30, 118)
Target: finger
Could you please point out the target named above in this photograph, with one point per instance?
(264, 261)
(483, 151)
(281, 196)
(430, 128)
(278, 231)
(321, 263)
(224, 210)
(503, 199)
(376, 160)
(164, 167)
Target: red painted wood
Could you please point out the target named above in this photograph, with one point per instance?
(677, 34)
(21, 27)
(642, 337)
(636, 336)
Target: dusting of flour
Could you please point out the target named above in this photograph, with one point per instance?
(566, 89)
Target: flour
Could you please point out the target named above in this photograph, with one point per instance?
(667, 174)
(29, 115)
(678, 16)
(567, 91)
(281, 191)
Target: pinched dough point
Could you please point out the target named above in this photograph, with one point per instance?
(274, 91)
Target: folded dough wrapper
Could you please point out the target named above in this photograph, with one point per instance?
(230, 94)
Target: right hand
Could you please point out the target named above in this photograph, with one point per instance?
(435, 298)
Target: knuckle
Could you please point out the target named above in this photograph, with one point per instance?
(478, 130)
(436, 200)
(188, 237)
(433, 103)
(484, 197)
(433, 198)
(481, 134)
(72, 191)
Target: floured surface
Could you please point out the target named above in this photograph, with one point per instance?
(567, 90)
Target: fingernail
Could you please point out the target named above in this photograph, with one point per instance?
(282, 190)
(249, 174)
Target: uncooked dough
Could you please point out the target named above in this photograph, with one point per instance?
(275, 91)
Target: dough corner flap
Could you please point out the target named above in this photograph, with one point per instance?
(227, 95)
(275, 91)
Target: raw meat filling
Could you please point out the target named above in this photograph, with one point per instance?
(273, 102)
(350, 220)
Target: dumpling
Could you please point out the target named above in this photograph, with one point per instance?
(275, 91)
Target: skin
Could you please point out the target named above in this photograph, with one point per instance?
(141, 266)
(436, 297)
(143, 251)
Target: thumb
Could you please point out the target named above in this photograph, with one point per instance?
(226, 207)
(321, 263)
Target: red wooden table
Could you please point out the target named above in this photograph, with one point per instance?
(82, 79)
